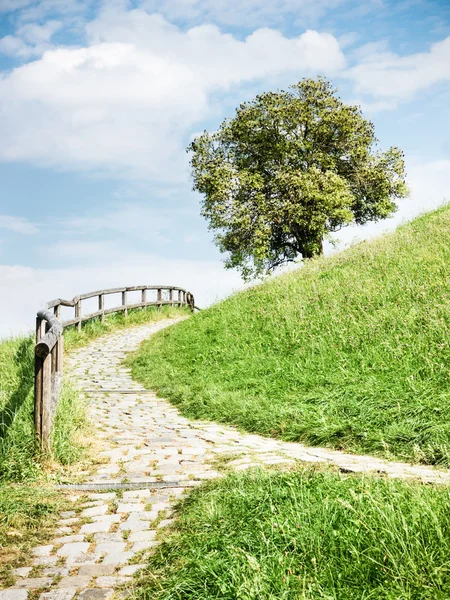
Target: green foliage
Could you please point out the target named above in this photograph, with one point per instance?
(287, 170)
(351, 351)
(306, 535)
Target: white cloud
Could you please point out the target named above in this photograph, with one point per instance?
(127, 101)
(30, 39)
(128, 218)
(385, 75)
(17, 224)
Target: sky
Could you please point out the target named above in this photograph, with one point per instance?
(99, 99)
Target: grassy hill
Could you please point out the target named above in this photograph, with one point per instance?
(305, 535)
(351, 351)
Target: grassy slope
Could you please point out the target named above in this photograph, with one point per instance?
(350, 351)
(305, 535)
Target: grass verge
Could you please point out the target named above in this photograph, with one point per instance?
(305, 535)
(350, 351)
(26, 520)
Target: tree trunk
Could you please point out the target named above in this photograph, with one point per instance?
(312, 249)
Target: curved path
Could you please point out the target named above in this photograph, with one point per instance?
(151, 454)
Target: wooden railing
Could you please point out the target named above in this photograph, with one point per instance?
(49, 349)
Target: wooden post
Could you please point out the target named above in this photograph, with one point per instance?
(38, 374)
(42, 391)
(60, 354)
(124, 302)
(171, 296)
(180, 298)
(78, 313)
(159, 295)
(144, 296)
(46, 406)
(101, 306)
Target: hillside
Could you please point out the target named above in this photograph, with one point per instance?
(351, 351)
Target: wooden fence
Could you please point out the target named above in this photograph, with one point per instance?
(49, 349)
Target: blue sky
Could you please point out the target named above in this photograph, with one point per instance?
(98, 100)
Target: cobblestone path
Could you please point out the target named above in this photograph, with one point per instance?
(147, 443)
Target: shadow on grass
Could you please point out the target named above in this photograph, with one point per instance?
(23, 361)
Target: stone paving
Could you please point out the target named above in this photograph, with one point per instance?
(146, 445)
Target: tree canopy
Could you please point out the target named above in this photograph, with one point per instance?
(288, 170)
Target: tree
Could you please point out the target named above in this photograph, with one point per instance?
(288, 170)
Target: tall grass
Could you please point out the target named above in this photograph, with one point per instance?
(27, 518)
(351, 351)
(19, 460)
(305, 535)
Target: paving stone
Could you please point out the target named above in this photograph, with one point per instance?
(68, 538)
(71, 521)
(73, 549)
(96, 570)
(108, 537)
(117, 558)
(75, 581)
(67, 514)
(96, 594)
(46, 561)
(165, 523)
(110, 547)
(134, 525)
(42, 550)
(142, 536)
(130, 508)
(95, 511)
(22, 571)
(111, 582)
(131, 569)
(107, 519)
(139, 546)
(55, 572)
(13, 594)
(99, 527)
(61, 530)
(34, 583)
(60, 594)
(103, 496)
(127, 496)
(89, 558)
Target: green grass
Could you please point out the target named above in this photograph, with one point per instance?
(27, 518)
(19, 460)
(305, 535)
(351, 351)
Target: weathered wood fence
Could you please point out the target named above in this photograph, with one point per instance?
(49, 349)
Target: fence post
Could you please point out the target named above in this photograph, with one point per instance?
(42, 392)
(124, 302)
(78, 313)
(144, 296)
(159, 297)
(101, 306)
